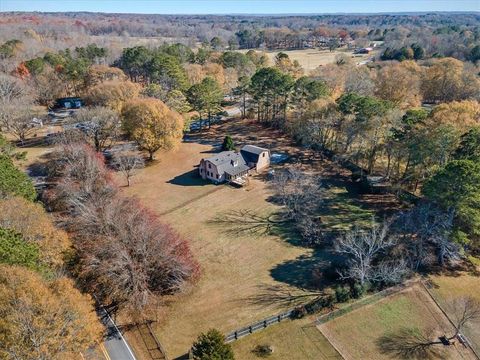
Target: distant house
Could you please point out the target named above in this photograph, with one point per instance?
(67, 103)
(231, 166)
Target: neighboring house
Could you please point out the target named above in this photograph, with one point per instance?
(67, 103)
(234, 166)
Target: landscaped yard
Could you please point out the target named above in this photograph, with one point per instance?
(365, 333)
(240, 269)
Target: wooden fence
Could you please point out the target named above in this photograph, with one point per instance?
(150, 340)
(260, 325)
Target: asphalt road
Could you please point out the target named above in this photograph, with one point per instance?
(115, 345)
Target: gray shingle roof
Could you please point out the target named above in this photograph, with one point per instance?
(251, 153)
(234, 163)
(229, 161)
(235, 170)
(253, 149)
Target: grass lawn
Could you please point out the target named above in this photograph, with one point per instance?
(171, 180)
(447, 288)
(358, 334)
(291, 340)
(341, 211)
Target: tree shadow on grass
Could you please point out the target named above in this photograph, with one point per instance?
(309, 272)
(280, 296)
(410, 344)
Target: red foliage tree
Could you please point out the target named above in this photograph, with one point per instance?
(22, 71)
(126, 255)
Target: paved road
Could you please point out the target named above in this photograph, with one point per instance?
(115, 346)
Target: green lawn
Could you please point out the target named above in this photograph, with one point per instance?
(341, 211)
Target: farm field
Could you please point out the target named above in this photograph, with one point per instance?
(310, 59)
(238, 268)
(445, 288)
(364, 333)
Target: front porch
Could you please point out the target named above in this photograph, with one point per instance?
(238, 178)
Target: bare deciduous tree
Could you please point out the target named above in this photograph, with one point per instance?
(409, 343)
(466, 311)
(101, 125)
(16, 118)
(128, 163)
(362, 248)
(299, 192)
(10, 89)
(126, 255)
(427, 224)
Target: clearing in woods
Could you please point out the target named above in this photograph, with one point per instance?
(238, 268)
(367, 333)
(310, 59)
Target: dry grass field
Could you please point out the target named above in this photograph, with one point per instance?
(363, 333)
(310, 59)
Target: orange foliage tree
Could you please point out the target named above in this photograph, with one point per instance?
(41, 319)
(152, 124)
(35, 225)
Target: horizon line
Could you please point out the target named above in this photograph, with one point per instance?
(250, 14)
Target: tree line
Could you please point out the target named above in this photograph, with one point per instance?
(44, 314)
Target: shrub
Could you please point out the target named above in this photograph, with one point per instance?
(358, 290)
(228, 144)
(212, 346)
(329, 300)
(299, 312)
(342, 293)
(263, 350)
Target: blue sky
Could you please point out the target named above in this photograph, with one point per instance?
(240, 6)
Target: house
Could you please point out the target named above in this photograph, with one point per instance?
(234, 166)
(67, 103)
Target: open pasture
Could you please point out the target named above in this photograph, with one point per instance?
(377, 331)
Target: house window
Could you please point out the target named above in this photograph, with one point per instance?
(217, 176)
(263, 155)
(209, 166)
(201, 171)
